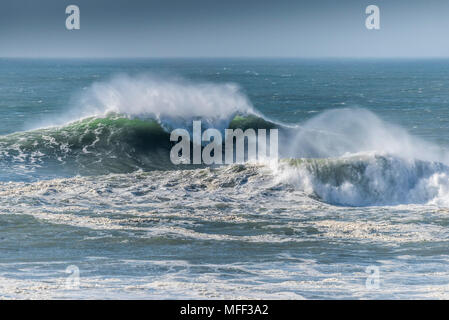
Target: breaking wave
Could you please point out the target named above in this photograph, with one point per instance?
(366, 180)
(343, 157)
(123, 125)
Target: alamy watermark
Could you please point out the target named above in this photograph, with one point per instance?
(212, 153)
(372, 22)
(72, 22)
(373, 279)
(73, 279)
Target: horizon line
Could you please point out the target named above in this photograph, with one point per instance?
(232, 57)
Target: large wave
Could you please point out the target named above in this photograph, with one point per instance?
(123, 125)
(343, 157)
(112, 143)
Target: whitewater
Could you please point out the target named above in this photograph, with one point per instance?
(93, 187)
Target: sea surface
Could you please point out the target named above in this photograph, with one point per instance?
(357, 207)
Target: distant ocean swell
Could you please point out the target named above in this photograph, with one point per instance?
(345, 157)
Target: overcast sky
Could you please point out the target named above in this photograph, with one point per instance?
(225, 28)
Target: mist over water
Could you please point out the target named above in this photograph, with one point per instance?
(336, 133)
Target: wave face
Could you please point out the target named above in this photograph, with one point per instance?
(345, 157)
(91, 145)
(113, 143)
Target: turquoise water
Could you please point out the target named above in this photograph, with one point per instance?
(86, 181)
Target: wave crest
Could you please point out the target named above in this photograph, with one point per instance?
(174, 102)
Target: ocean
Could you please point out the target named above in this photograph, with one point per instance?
(357, 207)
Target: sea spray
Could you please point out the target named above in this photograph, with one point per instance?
(173, 102)
(340, 132)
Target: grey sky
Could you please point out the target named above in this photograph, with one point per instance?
(231, 28)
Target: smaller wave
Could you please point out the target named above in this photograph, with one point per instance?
(370, 179)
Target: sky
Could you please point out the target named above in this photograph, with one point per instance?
(225, 28)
